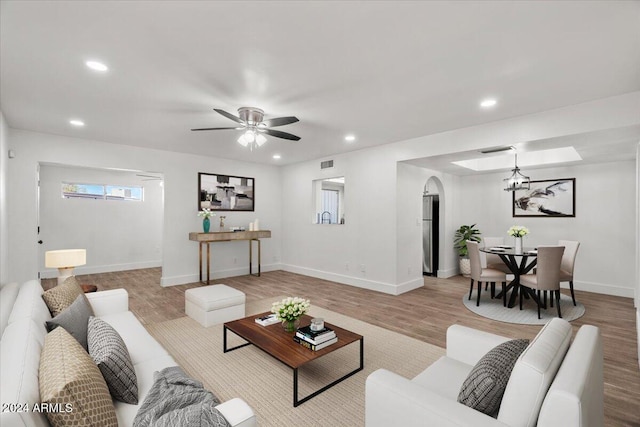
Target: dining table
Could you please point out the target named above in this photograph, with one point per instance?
(519, 263)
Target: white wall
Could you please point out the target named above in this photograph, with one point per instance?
(179, 255)
(373, 210)
(4, 222)
(605, 214)
(118, 235)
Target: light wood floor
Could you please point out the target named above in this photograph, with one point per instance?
(423, 313)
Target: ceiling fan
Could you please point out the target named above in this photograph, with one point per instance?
(251, 122)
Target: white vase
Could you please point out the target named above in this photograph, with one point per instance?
(518, 245)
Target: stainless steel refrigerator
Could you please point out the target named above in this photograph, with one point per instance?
(430, 226)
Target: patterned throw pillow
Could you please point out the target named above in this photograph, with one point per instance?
(74, 319)
(110, 353)
(62, 296)
(484, 387)
(71, 383)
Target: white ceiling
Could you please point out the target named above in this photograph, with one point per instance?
(384, 71)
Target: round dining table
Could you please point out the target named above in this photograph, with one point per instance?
(518, 262)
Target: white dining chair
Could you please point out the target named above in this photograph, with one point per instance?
(568, 263)
(546, 278)
(488, 275)
(492, 260)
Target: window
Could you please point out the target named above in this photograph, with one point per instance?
(102, 192)
(329, 207)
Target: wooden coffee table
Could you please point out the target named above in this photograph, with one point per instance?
(279, 344)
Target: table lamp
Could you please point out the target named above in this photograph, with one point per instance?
(65, 260)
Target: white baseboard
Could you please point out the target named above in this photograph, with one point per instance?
(601, 288)
(358, 282)
(51, 273)
(216, 275)
(445, 274)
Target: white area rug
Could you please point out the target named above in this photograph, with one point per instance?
(493, 309)
(267, 385)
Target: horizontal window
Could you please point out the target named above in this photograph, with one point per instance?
(102, 192)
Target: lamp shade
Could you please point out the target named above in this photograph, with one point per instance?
(65, 258)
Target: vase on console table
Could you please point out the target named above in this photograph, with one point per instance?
(518, 245)
(206, 224)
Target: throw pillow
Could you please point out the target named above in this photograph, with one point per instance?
(74, 319)
(484, 387)
(109, 352)
(62, 296)
(70, 382)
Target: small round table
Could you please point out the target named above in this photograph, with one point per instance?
(89, 288)
(508, 255)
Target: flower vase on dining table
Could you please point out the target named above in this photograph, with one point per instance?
(518, 245)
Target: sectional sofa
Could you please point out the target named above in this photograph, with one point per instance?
(23, 314)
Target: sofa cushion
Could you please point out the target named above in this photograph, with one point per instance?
(30, 305)
(19, 362)
(444, 377)
(62, 296)
(69, 377)
(483, 388)
(8, 295)
(109, 352)
(141, 345)
(533, 373)
(74, 319)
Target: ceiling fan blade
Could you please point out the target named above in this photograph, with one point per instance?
(280, 134)
(280, 121)
(229, 116)
(215, 128)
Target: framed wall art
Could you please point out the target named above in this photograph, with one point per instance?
(225, 192)
(546, 198)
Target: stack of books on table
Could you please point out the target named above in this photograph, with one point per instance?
(315, 340)
(267, 320)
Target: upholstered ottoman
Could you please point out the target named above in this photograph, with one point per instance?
(214, 304)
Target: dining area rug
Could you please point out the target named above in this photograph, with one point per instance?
(492, 308)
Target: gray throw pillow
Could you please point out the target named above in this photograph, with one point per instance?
(484, 387)
(74, 319)
(109, 352)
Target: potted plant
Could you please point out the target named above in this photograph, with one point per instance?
(464, 233)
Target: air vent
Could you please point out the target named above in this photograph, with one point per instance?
(326, 164)
(496, 149)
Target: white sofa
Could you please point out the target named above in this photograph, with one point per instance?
(549, 386)
(22, 316)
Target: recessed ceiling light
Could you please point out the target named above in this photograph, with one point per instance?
(276, 156)
(490, 102)
(350, 138)
(96, 66)
(78, 123)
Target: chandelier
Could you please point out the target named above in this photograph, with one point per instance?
(517, 181)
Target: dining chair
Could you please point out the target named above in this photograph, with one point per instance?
(488, 275)
(568, 262)
(546, 277)
(492, 260)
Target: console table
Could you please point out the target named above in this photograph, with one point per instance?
(227, 236)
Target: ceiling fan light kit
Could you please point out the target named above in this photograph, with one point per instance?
(254, 126)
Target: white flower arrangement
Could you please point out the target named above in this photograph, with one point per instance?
(290, 309)
(206, 213)
(518, 231)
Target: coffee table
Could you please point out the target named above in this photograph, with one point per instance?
(279, 344)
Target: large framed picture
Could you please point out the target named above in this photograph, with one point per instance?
(547, 198)
(225, 192)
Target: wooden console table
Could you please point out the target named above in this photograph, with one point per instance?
(226, 236)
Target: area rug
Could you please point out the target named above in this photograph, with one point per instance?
(267, 385)
(493, 309)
